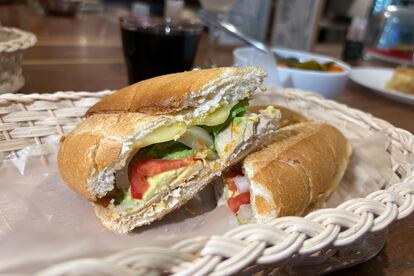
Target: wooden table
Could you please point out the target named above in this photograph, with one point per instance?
(84, 53)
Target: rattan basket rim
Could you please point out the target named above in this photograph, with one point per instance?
(23, 41)
(287, 240)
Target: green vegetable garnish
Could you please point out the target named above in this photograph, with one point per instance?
(167, 150)
(237, 111)
(307, 65)
(179, 154)
(127, 199)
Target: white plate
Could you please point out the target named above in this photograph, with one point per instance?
(375, 79)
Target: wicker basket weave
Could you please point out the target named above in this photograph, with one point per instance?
(36, 120)
(12, 44)
(39, 119)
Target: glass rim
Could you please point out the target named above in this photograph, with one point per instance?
(158, 24)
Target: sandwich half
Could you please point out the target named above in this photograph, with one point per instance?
(295, 172)
(149, 148)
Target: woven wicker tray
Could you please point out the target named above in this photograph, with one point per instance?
(36, 121)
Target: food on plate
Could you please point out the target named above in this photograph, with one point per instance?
(296, 171)
(402, 80)
(312, 65)
(149, 148)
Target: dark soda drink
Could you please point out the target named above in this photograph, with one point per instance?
(156, 47)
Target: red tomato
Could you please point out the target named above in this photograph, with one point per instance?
(151, 167)
(138, 184)
(228, 175)
(235, 202)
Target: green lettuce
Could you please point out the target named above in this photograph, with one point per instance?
(167, 150)
(178, 154)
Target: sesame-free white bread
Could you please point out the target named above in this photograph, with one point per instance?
(96, 148)
(297, 170)
(101, 145)
(123, 222)
(188, 94)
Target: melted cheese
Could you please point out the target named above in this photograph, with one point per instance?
(158, 181)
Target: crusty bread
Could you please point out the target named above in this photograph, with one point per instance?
(114, 130)
(123, 222)
(299, 168)
(90, 154)
(96, 148)
(187, 92)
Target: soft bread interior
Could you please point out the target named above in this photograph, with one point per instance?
(124, 221)
(91, 154)
(289, 116)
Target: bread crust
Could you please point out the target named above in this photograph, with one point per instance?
(75, 168)
(96, 144)
(122, 223)
(284, 198)
(116, 123)
(300, 167)
(100, 145)
(167, 94)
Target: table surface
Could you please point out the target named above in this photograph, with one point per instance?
(83, 53)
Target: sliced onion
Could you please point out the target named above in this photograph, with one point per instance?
(196, 138)
(245, 214)
(242, 183)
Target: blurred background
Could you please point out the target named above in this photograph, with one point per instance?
(87, 32)
(358, 52)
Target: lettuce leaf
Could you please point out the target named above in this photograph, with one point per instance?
(237, 111)
(176, 150)
(167, 150)
(178, 154)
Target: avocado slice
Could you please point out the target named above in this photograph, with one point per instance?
(158, 181)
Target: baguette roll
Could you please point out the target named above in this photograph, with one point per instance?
(99, 158)
(189, 94)
(296, 170)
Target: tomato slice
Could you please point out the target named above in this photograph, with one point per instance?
(150, 167)
(235, 202)
(138, 185)
(228, 175)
